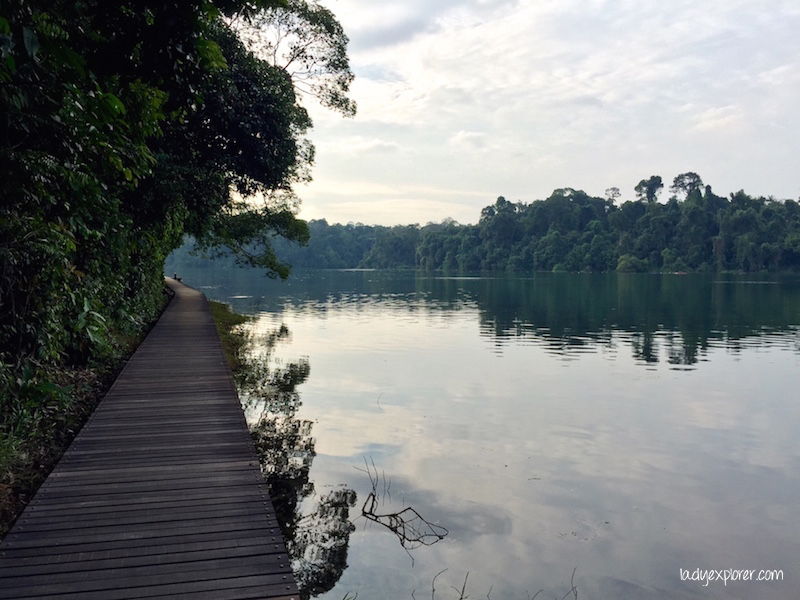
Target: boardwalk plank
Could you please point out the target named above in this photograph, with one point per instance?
(226, 495)
(24, 538)
(84, 550)
(159, 514)
(271, 585)
(258, 548)
(146, 575)
(160, 495)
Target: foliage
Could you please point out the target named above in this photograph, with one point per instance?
(631, 264)
(695, 230)
(125, 126)
(393, 247)
(647, 189)
(309, 44)
(234, 342)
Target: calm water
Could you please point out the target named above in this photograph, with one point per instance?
(517, 429)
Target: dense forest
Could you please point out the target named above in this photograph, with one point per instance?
(125, 126)
(695, 230)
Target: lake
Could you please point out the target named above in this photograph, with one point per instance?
(504, 434)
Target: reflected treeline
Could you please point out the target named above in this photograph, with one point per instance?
(676, 317)
(660, 317)
(318, 541)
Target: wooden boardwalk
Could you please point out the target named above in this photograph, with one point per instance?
(160, 495)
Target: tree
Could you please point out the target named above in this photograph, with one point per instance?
(246, 137)
(613, 194)
(686, 184)
(305, 40)
(647, 189)
(631, 264)
(395, 247)
(125, 125)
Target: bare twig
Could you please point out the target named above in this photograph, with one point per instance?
(463, 590)
(408, 525)
(433, 584)
(573, 590)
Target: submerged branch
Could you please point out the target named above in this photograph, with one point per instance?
(410, 527)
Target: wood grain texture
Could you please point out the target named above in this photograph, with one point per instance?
(161, 494)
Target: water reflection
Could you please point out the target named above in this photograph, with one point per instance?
(673, 319)
(317, 541)
(410, 527)
(542, 422)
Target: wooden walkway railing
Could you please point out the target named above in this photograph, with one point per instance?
(160, 495)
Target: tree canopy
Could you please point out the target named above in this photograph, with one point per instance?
(695, 230)
(648, 189)
(126, 125)
(308, 43)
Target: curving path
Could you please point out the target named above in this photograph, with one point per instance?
(160, 495)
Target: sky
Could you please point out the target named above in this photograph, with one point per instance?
(462, 101)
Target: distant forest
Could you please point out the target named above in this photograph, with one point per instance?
(695, 230)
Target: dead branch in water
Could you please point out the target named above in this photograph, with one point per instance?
(411, 528)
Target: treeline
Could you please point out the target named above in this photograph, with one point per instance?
(695, 230)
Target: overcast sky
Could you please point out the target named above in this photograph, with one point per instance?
(462, 101)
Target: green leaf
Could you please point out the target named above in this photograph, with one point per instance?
(11, 65)
(113, 103)
(210, 54)
(31, 41)
(70, 58)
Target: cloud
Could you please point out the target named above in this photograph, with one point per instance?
(358, 145)
(390, 34)
(780, 75)
(390, 23)
(475, 140)
(717, 118)
(577, 93)
(394, 208)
